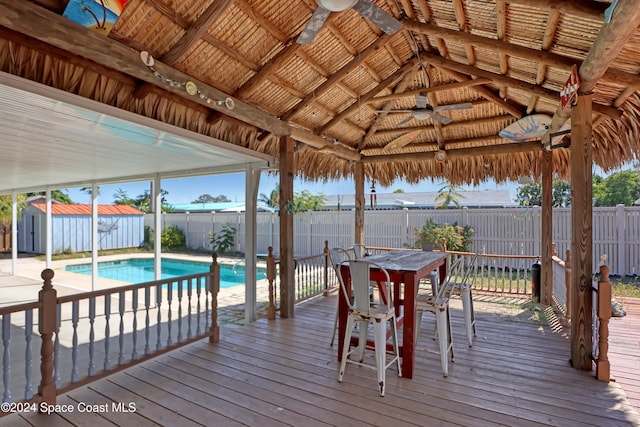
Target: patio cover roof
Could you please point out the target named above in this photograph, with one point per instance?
(53, 139)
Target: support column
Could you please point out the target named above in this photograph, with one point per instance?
(94, 236)
(546, 277)
(581, 234)
(157, 232)
(252, 181)
(287, 266)
(14, 233)
(49, 228)
(358, 178)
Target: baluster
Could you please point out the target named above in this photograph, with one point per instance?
(28, 356)
(180, 310)
(56, 348)
(159, 322)
(75, 315)
(121, 335)
(46, 327)
(147, 304)
(603, 366)
(169, 300)
(214, 288)
(107, 331)
(92, 318)
(189, 293)
(198, 292)
(207, 285)
(6, 359)
(134, 336)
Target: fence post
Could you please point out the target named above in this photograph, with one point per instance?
(48, 318)
(214, 282)
(271, 277)
(621, 259)
(326, 268)
(567, 282)
(603, 366)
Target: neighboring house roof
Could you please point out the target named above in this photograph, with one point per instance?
(422, 200)
(217, 207)
(80, 209)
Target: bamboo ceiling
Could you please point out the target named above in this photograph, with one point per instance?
(507, 58)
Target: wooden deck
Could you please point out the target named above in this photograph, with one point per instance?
(284, 372)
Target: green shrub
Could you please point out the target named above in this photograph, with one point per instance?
(173, 238)
(223, 240)
(457, 238)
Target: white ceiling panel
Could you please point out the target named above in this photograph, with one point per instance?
(53, 139)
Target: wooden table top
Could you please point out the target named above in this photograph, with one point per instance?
(407, 261)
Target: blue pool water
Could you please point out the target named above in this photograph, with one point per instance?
(141, 270)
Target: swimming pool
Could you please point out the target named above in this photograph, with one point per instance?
(137, 270)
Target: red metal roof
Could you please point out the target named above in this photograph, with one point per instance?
(79, 209)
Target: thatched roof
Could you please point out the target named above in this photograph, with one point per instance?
(508, 58)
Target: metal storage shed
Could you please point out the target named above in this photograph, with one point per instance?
(119, 226)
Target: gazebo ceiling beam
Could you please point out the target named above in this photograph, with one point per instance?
(413, 92)
(489, 150)
(614, 76)
(583, 9)
(511, 82)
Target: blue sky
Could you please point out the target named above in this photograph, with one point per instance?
(186, 190)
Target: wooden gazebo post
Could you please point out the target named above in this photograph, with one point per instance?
(358, 178)
(581, 241)
(287, 267)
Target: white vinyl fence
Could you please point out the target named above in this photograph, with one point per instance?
(506, 231)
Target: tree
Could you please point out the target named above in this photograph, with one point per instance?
(531, 194)
(141, 201)
(58, 195)
(208, 198)
(273, 200)
(448, 194)
(398, 190)
(620, 188)
(6, 213)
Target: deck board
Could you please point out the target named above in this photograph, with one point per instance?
(284, 372)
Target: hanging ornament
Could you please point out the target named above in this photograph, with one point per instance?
(373, 197)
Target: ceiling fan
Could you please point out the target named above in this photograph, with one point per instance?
(422, 111)
(366, 8)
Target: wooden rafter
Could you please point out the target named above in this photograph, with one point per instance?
(338, 75)
(511, 82)
(414, 92)
(615, 77)
(583, 9)
(458, 152)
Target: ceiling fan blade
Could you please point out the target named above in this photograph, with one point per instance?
(404, 121)
(395, 111)
(421, 101)
(442, 119)
(462, 106)
(402, 140)
(382, 19)
(314, 25)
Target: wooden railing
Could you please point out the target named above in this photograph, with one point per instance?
(77, 344)
(561, 297)
(312, 277)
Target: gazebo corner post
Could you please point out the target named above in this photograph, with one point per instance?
(287, 264)
(358, 179)
(567, 282)
(214, 287)
(581, 233)
(546, 252)
(47, 315)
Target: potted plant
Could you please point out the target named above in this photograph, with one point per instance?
(430, 235)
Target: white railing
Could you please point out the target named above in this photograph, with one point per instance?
(507, 231)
